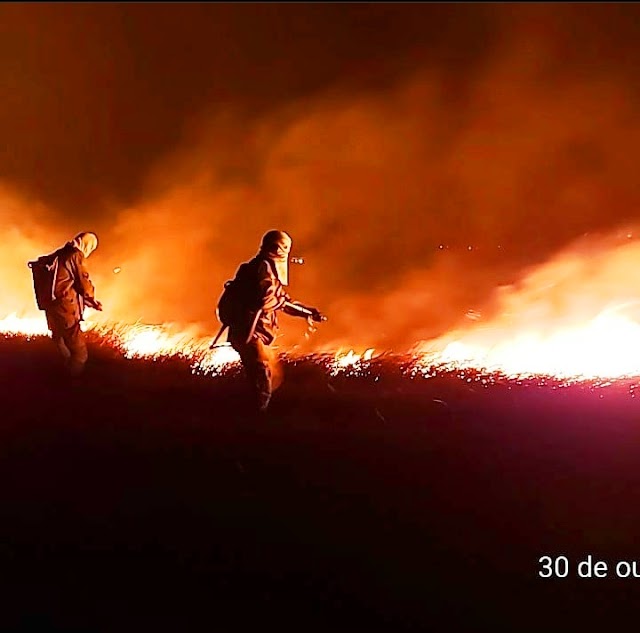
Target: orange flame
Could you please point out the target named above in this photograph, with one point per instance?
(607, 346)
(569, 319)
(157, 342)
(26, 326)
(350, 362)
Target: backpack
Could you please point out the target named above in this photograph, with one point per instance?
(237, 299)
(44, 271)
(228, 304)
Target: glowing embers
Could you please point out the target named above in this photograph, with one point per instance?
(151, 341)
(604, 349)
(350, 363)
(216, 361)
(159, 342)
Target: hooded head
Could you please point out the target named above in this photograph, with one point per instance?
(86, 243)
(276, 245)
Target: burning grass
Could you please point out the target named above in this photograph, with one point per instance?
(524, 362)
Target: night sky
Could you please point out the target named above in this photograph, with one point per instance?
(374, 133)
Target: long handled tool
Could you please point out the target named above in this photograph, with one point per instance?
(297, 307)
(218, 335)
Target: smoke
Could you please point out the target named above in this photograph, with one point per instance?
(583, 302)
(409, 210)
(27, 227)
(411, 204)
(593, 275)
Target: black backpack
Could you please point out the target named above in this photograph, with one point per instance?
(238, 298)
(44, 271)
(228, 307)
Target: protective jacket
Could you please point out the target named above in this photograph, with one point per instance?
(264, 296)
(73, 288)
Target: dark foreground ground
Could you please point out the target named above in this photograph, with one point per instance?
(147, 499)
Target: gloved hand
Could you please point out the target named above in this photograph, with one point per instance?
(317, 316)
(96, 305)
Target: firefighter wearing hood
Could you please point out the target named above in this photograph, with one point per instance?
(261, 284)
(64, 300)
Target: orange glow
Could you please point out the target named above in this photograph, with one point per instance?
(26, 326)
(158, 342)
(588, 337)
(350, 362)
(576, 317)
(607, 346)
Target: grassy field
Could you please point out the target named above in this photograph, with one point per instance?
(145, 498)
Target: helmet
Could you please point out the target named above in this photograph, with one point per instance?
(86, 242)
(276, 245)
(276, 242)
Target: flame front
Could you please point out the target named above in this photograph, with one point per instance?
(350, 362)
(607, 347)
(156, 342)
(25, 326)
(159, 342)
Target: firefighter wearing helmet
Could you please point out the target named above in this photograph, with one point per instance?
(249, 307)
(63, 289)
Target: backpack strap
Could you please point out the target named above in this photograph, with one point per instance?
(53, 267)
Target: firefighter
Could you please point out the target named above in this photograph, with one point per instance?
(72, 291)
(253, 326)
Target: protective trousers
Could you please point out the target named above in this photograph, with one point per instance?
(262, 368)
(70, 343)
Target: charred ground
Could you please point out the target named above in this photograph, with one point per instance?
(143, 497)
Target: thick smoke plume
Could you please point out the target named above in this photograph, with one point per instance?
(411, 205)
